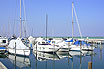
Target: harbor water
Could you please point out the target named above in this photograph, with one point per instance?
(59, 60)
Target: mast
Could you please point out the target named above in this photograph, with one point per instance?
(20, 21)
(46, 25)
(24, 23)
(72, 21)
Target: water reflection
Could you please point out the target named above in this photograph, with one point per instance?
(58, 60)
(19, 61)
(41, 56)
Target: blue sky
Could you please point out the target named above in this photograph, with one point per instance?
(90, 15)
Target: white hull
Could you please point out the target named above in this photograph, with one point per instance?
(63, 50)
(88, 48)
(79, 48)
(45, 48)
(74, 48)
(24, 52)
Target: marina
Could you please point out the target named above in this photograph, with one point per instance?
(56, 35)
(49, 59)
(71, 60)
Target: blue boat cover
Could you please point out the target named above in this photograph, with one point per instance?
(2, 48)
(48, 41)
(81, 42)
(69, 40)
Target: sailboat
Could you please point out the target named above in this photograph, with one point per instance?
(79, 45)
(42, 45)
(19, 46)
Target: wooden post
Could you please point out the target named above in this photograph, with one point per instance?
(80, 45)
(15, 48)
(89, 65)
(15, 55)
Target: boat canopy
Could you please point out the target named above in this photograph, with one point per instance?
(69, 40)
(18, 43)
(81, 42)
(2, 48)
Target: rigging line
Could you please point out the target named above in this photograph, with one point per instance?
(77, 22)
(20, 21)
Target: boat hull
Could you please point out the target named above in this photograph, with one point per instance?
(45, 48)
(24, 52)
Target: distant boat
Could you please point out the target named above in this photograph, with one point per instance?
(3, 45)
(3, 41)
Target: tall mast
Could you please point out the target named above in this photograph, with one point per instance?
(20, 21)
(46, 25)
(72, 21)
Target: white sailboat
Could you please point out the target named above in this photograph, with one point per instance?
(79, 47)
(19, 46)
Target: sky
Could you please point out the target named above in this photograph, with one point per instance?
(90, 15)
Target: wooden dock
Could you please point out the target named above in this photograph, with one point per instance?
(2, 66)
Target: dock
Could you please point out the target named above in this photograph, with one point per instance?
(2, 66)
(91, 40)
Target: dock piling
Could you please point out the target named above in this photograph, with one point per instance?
(89, 65)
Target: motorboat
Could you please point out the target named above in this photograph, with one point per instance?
(42, 45)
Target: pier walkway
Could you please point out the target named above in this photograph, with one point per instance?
(2, 66)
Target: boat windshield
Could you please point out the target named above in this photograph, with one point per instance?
(44, 43)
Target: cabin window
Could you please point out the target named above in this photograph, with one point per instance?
(4, 41)
(38, 42)
(53, 41)
(47, 42)
(43, 42)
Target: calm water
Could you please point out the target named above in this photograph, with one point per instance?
(60, 60)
